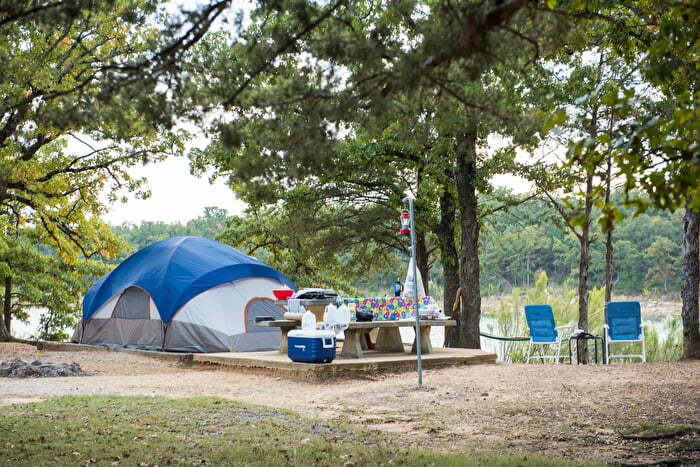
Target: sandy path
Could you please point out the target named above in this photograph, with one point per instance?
(568, 411)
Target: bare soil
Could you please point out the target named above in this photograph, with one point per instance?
(573, 412)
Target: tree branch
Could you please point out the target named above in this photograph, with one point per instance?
(310, 27)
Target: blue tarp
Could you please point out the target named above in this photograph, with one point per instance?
(175, 270)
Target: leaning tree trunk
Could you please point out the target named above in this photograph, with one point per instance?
(609, 247)
(691, 282)
(469, 314)
(422, 260)
(445, 233)
(6, 311)
(584, 262)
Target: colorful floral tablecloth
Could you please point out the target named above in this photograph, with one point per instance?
(390, 308)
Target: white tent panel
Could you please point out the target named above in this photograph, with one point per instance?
(105, 311)
(222, 308)
(153, 309)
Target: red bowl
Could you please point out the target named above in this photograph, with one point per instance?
(283, 294)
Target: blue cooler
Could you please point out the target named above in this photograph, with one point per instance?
(311, 346)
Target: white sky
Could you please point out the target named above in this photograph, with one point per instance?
(176, 195)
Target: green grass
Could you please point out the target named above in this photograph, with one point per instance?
(110, 430)
(687, 445)
(657, 430)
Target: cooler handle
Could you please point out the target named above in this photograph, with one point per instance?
(328, 343)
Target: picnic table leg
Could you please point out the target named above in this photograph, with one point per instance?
(352, 347)
(389, 340)
(283, 339)
(363, 339)
(426, 346)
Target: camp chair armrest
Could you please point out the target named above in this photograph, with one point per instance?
(569, 328)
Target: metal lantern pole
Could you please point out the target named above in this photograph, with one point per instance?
(419, 360)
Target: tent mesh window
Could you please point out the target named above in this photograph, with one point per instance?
(261, 307)
(133, 304)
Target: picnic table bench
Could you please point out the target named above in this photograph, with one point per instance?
(388, 339)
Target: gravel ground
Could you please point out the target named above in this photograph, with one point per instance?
(561, 410)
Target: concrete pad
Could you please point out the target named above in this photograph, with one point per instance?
(372, 362)
(274, 363)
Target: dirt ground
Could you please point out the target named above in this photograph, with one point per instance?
(574, 412)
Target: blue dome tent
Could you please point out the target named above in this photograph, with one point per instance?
(186, 294)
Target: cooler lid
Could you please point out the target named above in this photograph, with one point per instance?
(312, 333)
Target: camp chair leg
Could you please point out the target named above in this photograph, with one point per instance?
(556, 359)
(644, 349)
(529, 349)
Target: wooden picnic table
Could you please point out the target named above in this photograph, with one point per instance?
(388, 339)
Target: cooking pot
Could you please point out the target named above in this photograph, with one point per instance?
(364, 315)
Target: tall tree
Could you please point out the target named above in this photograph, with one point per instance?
(609, 246)
(359, 70)
(690, 312)
(70, 128)
(658, 151)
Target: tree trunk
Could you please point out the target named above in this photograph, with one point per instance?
(445, 233)
(584, 262)
(469, 315)
(422, 260)
(691, 282)
(609, 248)
(6, 310)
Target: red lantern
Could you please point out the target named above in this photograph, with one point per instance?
(405, 223)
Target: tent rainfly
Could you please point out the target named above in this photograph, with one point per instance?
(187, 294)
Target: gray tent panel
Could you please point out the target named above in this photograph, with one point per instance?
(139, 333)
(259, 308)
(251, 342)
(133, 304)
(187, 337)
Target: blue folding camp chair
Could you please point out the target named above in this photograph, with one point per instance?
(623, 324)
(543, 331)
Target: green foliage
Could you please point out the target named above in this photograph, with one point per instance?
(320, 245)
(530, 237)
(667, 349)
(69, 134)
(40, 279)
(72, 125)
(313, 140)
(654, 145)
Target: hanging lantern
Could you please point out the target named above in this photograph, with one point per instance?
(405, 223)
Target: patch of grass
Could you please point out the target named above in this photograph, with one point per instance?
(104, 430)
(687, 445)
(658, 431)
(514, 411)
